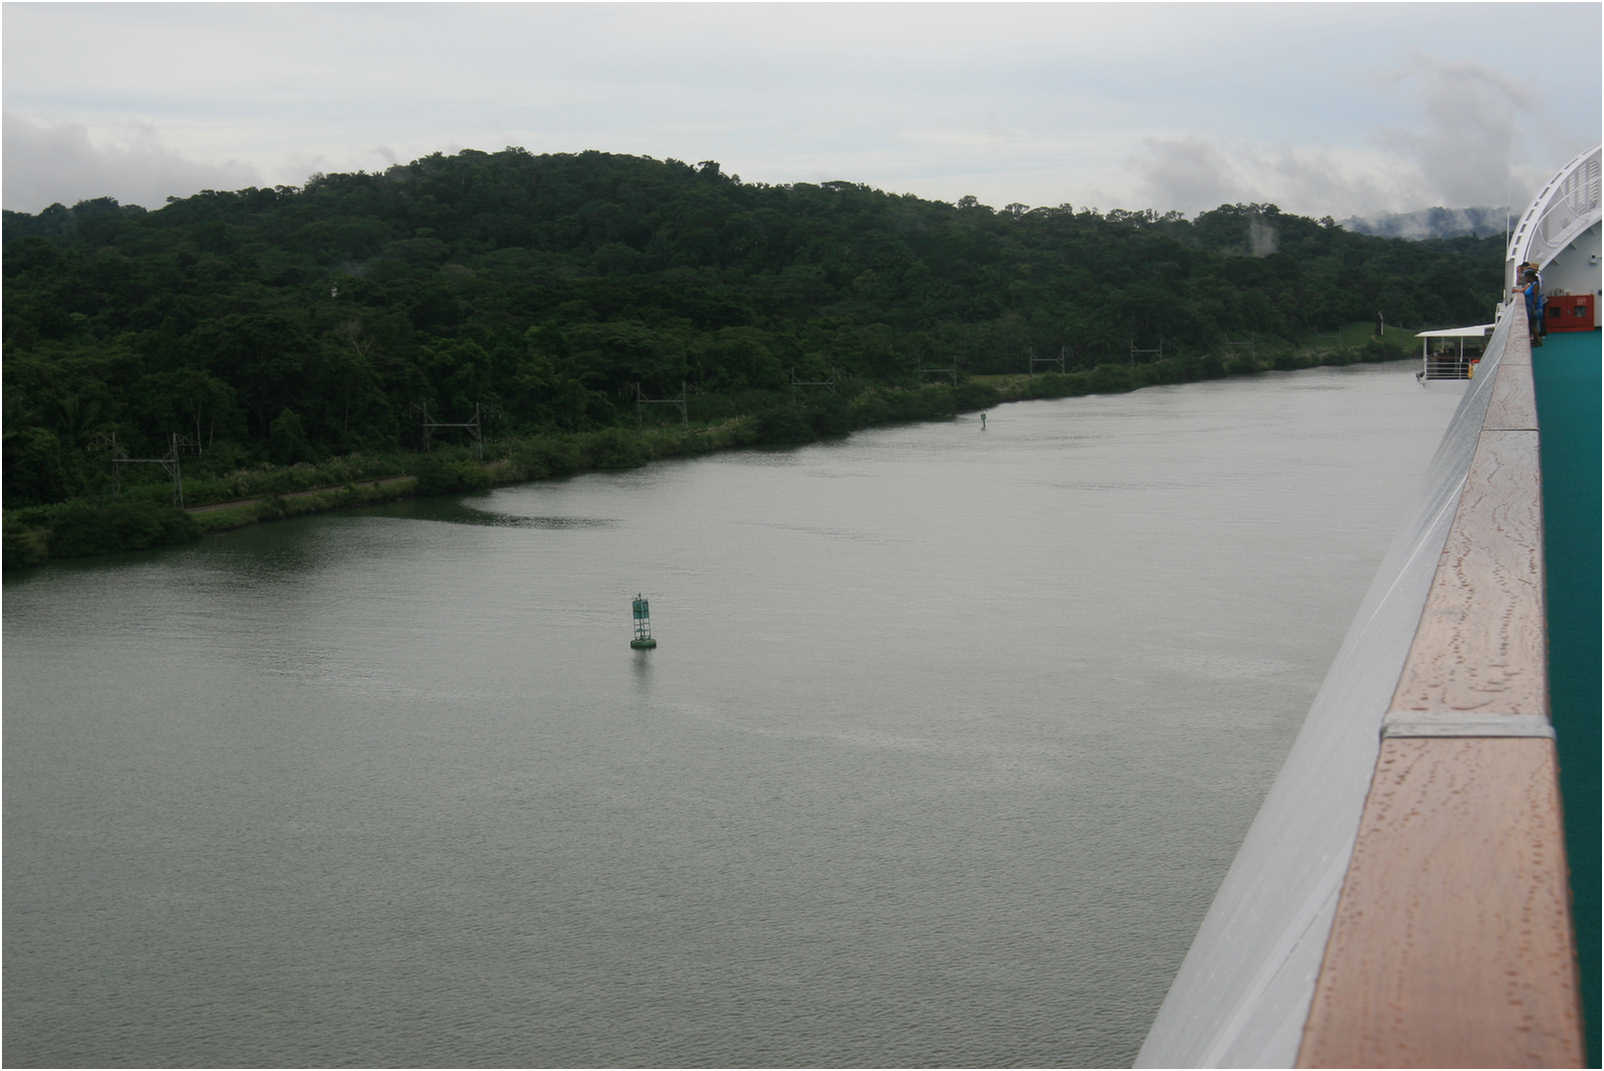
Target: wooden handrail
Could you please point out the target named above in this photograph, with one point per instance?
(1453, 944)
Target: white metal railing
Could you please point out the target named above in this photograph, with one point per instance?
(1563, 209)
(1448, 366)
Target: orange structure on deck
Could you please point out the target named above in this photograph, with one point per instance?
(1570, 312)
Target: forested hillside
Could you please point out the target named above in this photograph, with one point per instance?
(294, 325)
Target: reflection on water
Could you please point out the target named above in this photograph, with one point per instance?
(948, 740)
(455, 511)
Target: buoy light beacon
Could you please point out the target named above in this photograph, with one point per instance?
(643, 625)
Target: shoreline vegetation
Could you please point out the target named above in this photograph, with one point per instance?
(144, 517)
(300, 349)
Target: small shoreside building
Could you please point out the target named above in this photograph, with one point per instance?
(1450, 352)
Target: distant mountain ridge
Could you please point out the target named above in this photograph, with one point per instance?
(1432, 223)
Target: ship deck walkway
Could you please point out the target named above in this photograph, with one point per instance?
(1428, 896)
(1454, 942)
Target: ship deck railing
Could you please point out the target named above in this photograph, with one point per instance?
(1453, 943)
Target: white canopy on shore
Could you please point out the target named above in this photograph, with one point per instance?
(1480, 331)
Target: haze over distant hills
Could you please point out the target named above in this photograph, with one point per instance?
(1432, 223)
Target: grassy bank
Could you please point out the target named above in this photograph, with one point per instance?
(144, 517)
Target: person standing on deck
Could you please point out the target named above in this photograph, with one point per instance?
(1542, 301)
(1533, 290)
(1542, 297)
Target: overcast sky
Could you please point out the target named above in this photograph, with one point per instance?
(1322, 109)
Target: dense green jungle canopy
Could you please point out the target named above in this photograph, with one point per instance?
(293, 324)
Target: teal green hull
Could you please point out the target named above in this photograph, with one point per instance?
(1566, 373)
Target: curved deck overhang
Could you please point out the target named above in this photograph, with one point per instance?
(1561, 212)
(1401, 898)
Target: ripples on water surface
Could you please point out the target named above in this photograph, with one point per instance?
(948, 740)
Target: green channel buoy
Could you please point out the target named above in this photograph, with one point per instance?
(643, 625)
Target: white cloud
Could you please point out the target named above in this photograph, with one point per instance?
(46, 163)
(1463, 150)
(1195, 174)
(1449, 136)
(1322, 108)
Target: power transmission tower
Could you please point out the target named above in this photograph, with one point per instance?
(1135, 351)
(828, 384)
(170, 464)
(1059, 360)
(641, 399)
(475, 431)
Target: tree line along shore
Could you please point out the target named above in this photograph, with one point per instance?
(294, 346)
(144, 515)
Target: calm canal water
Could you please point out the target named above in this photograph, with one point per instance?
(949, 738)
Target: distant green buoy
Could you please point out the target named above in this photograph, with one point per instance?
(643, 626)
